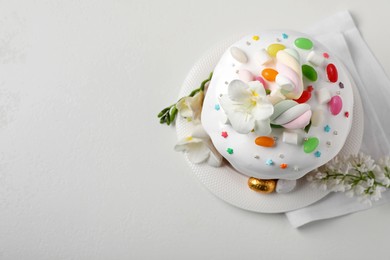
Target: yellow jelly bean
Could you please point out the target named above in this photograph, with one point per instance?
(274, 48)
(269, 74)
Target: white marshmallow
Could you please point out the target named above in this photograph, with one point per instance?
(323, 95)
(315, 58)
(285, 186)
(284, 82)
(318, 117)
(290, 137)
(262, 57)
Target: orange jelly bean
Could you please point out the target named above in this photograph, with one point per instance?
(269, 74)
(265, 141)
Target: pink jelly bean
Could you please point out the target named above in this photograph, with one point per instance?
(262, 81)
(335, 105)
(331, 71)
(245, 75)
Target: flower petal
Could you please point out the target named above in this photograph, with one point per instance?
(198, 152)
(263, 110)
(263, 127)
(196, 103)
(239, 91)
(242, 122)
(184, 107)
(257, 87)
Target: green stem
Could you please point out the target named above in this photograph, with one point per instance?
(168, 114)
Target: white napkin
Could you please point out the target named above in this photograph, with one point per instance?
(340, 34)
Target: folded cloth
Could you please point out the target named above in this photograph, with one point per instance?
(340, 34)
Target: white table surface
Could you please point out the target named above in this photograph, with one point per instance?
(86, 170)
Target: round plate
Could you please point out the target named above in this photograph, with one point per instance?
(231, 186)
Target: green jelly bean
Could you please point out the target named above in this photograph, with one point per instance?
(304, 43)
(309, 72)
(310, 144)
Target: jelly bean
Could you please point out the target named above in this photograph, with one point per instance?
(274, 48)
(238, 55)
(262, 81)
(332, 73)
(309, 72)
(335, 105)
(318, 117)
(262, 57)
(269, 74)
(315, 58)
(262, 186)
(323, 95)
(285, 186)
(245, 75)
(265, 141)
(290, 137)
(303, 43)
(310, 144)
(306, 95)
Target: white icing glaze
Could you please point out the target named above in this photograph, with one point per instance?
(244, 148)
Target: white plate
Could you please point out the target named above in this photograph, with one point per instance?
(231, 186)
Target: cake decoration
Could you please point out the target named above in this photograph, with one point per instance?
(262, 186)
(332, 73)
(261, 91)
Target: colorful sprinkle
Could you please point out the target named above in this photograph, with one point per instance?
(229, 151)
(269, 162)
(310, 88)
(224, 134)
(281, 156)
(341, 84)
(285, 36)
(296, 168)
(326, 55)
(328, 143)
(248, 43)
(256, 38)
(317, 154)
(217, 107)
(327, 128)
(335, 133)
(226, 83)
(256, 156)
(283, 165)
(346, 114)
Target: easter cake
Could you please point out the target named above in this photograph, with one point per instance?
(276, 106)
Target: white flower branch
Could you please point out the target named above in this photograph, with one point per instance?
(355, 175)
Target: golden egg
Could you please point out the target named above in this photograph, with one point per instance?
(262, 186)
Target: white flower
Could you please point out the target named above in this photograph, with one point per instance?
(247, 107)
(191, 107)
(199, 148)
